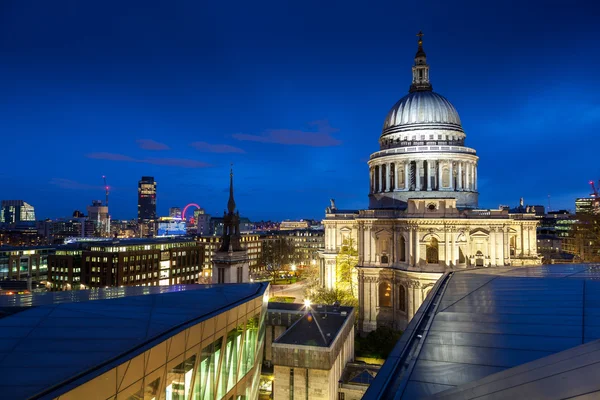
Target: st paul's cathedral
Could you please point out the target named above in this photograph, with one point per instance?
(423, 217)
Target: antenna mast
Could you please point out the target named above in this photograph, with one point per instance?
(106, 190)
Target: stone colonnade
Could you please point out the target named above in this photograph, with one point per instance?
(424, 175)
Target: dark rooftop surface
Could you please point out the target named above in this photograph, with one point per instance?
(318, 327)
(481, 322)
(359, 374)
(48, 346)
(124, 242)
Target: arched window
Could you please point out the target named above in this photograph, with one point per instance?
(402, 298)
(385, 294)
(432, 251)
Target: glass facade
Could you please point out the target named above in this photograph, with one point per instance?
(218, 358)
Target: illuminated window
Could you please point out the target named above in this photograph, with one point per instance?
(385, 294)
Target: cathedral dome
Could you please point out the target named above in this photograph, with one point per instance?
(421, 107)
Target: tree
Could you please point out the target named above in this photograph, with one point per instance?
(346, 262)
(586, 237)
(276, 255)
(330, 296)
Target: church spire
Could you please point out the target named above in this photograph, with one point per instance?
(420, 70)
(231, 223)
(231, 202)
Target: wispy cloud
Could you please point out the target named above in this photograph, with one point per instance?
(149, 144)
(74, 185)
(111, 157)
(216, 148)
(322, 137)
(170, 162)
(176, 162)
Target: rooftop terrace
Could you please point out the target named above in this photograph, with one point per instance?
(477, 325)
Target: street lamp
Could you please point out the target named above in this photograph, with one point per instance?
(307, 303)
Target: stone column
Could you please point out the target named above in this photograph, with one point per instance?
(459, 183)
(530, 240)
(522, 252)
(525, 240)
(439, 176)
(451, 168)
(380, 188)
(453, 248)
(470, 177)
(447, 247)
(361, 245)
(409, 246)
(393, 249)
(387, 177)
(493, 246)
(428, 176)
(505, 240)
(475, 177)
(396, 177)
(418, 166)
(406, 175)
(367, 244)
(417, 247)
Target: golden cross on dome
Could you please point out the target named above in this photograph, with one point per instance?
(420, 36)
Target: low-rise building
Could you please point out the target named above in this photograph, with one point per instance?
(292, 225)
(310, 356)
(211, 244)
(128, 262)
(216, 226)
(306, 244)
(23, 262)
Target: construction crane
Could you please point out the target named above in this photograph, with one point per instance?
(594, 190)
(106, 190)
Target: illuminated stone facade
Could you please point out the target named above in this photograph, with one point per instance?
(423, 217)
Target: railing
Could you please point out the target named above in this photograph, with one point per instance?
(408, 143)
(421, 149)
(380, 213)
(392, 378)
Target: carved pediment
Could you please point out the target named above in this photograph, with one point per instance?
(479, 232)
(383, 233)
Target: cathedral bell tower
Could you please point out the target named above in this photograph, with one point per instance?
(230, 262)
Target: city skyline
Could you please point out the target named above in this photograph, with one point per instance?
(296, 102)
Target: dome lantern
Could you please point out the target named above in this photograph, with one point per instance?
(420, 70)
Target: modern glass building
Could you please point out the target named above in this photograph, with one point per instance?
(146, 199)
(173, 343)
(15, 211)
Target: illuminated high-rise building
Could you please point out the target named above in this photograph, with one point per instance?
(175, 212)
(14, 211)
(146, 199)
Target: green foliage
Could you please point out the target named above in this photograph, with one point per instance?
(346, 262)
(330, 296)
(378, 343)
(284, 281)
(282, 299)
(276, 255)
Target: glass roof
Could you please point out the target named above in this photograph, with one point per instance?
(489, 320)
(66, 334)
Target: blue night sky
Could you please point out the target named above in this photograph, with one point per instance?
(293, 93)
